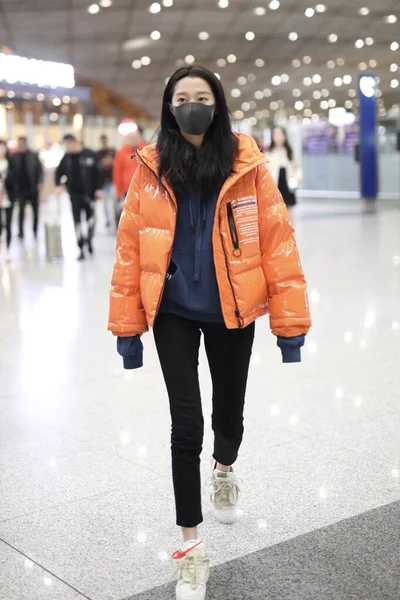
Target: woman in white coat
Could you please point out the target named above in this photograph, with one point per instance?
(283, 166)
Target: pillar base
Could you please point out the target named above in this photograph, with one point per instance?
(369, 205)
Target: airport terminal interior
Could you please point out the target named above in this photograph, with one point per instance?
(86, 494)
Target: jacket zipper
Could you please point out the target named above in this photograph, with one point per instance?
(233, 231)
(170, 253)
(237, 311)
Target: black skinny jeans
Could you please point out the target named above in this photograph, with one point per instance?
(33, 200)
(81, 203)
(228, 352)
(6, 215)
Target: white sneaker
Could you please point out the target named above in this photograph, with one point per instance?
(193, 566)
(225, 494)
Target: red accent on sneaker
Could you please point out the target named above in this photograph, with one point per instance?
(182, 553)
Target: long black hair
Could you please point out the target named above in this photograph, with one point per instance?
(4, 143)
(180, 162)
(288, 147)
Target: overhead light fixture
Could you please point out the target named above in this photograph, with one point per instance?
(221, 62)
(391, 19)
(296, 63)
(223, 3)
(369, 41)
(276, 80)
(299, 105)
(251, 77)
(260, 11)
(296, 93)
(338, 81)
(242, 80)
(238, 114)
(259, 62)
(332, 38)
(394, 67)
(307, 60)
(309, 12)
(293, 36)
(274, 105)
(331, 103)
(136, 64)
(324, 105)
(320, 8)
(394, 46)
(250, 35)
(155, 35)
(284, 78)
(168, 3)
(373, 63)
(258, 95)
(189, 59)
(57, 101)
(364, 11)
(274, 4)
(331, 64)
(93, 9)
(317, 95)
(203, 36)
(348, 104)
(317, 78)
(236, 93)
(352, 93)
(267, 93)
(145, 60)
(231, 58)
(363, 66)
(325, 93)
(245, 106)
(307, 81)
(394, 83)
(359, 43)
(155, 8)
(347, 79)
(105, 3)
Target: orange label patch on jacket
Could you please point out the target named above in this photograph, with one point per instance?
(245, 213)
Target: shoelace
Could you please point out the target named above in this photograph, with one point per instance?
(191, 566)
(225, 493)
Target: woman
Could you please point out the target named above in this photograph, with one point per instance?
(283, 166)
(7, 195)
(204, 246)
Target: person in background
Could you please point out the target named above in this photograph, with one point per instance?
(105, 157)
(204, 247)
(80, 169)
(29, 177)
(7, 195)
(283, 166)
(125, 165)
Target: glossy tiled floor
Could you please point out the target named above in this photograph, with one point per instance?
(85, 495)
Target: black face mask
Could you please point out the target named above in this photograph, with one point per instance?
(194, 117)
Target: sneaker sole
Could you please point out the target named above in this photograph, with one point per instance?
(200, 596)
(224, 519)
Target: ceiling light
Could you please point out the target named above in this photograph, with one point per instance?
(331, 64)
(145, 60)
(259, 114)
(203, 36)
(276, 80)
(315, 118)
(317, 78)
(284, 78)
(338, 81)
(321, 8)
(317, 95)
(236, 93)
(238, 115)
(189, 59)
(221, 62)
(65, 99)
(391, 19)
(352, 93)
(369, 41)
(105, 3)
(265, 113)
(373, 63)
(274, 4)
(307, 60)
(259, 62)
(231, 58)
(363, 66)
(250, 35)
(293, 36)
(155, 35)
(340, 62)
(223, 3)
(242, 80)
(253, 104)
(394, 67)
(348, 104)
(245, 106)
(258, 95)
(347, 79)
(260, 11)
(57, 101)
(168, 3)
(93, 9)
(251, 77)
(307, 112)
(136, 64)
(309, 12)
(332, 103)
(332, 38)
(324, 105)
(296, 63)
(155, 8)
(274, 106)
(299, 105)
(252, 121)
(364, 11)
(267, 92)
(394, 83)
(296, 93)
(307, 81)
(325, 92)
(394, 46)
(359, 43)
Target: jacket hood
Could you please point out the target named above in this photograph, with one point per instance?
(249, 154)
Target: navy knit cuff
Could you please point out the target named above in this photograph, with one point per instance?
(291, 348)
(131, 350)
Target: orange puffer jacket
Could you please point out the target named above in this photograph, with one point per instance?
(255, 254)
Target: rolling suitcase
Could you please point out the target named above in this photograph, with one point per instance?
(53, 237)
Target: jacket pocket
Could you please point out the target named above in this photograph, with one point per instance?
(233, 231)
